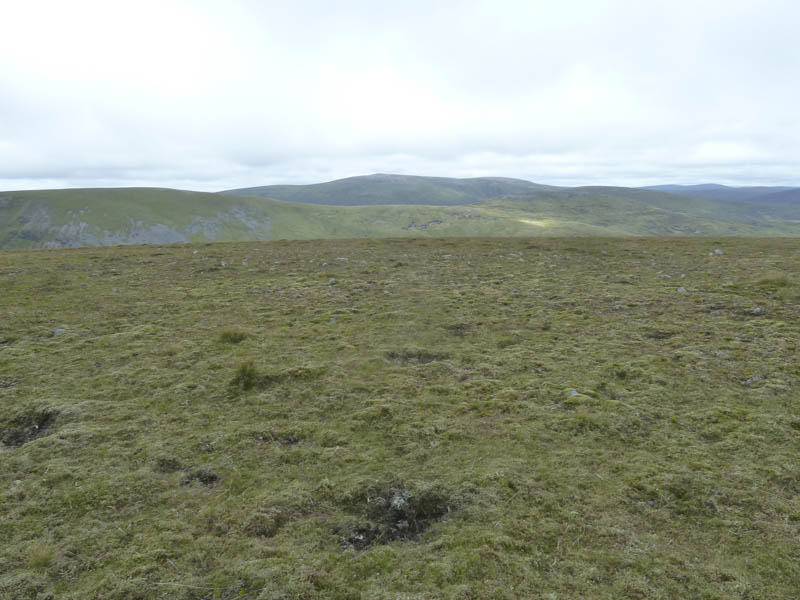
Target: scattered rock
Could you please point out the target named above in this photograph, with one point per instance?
(757, 311)
(395, 513)
(754, 380)
(573, 393)
(718, 252)
(28, 427)
(59, 331)
(682, 290)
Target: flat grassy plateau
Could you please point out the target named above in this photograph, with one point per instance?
(460, 418)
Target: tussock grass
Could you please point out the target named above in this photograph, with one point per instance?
(232, 335)
(485, 418)
(40, 556)
(247, 376)
(775, 279)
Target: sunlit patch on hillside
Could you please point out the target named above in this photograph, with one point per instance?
(537, 222)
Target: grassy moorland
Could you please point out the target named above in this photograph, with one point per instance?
(406, 419)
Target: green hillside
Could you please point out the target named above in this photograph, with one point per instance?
(753, 213)
(122, 216)
(92, 217)
(626, 211)
(580, 418)
(381, 189)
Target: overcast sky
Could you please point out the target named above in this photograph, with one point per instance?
(210, 95)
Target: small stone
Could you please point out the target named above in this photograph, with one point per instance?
(223, 263)
(573, 393)
(332, 280)
(757, 311)
(195, 251)
(399, 500)
(718, 252)
(683, 290)
(59, 331)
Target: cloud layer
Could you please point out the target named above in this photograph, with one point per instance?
(213, 95)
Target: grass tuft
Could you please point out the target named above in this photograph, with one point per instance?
(232, 335)
(40, 555)
(775, 279)
(246, 376)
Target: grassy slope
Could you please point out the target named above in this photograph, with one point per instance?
(145, 215)
(180, 463)
(626, 211)
(380, 189)
(711, 208)
(33, 218)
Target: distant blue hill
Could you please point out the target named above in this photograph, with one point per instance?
(714, 191)
(383, 189)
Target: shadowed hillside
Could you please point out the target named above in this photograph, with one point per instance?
(713, 191)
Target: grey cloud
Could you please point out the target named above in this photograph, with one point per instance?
(209, 96)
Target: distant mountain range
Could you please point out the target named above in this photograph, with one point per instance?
(388, 206)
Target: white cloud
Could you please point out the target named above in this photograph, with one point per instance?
(211, 94)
